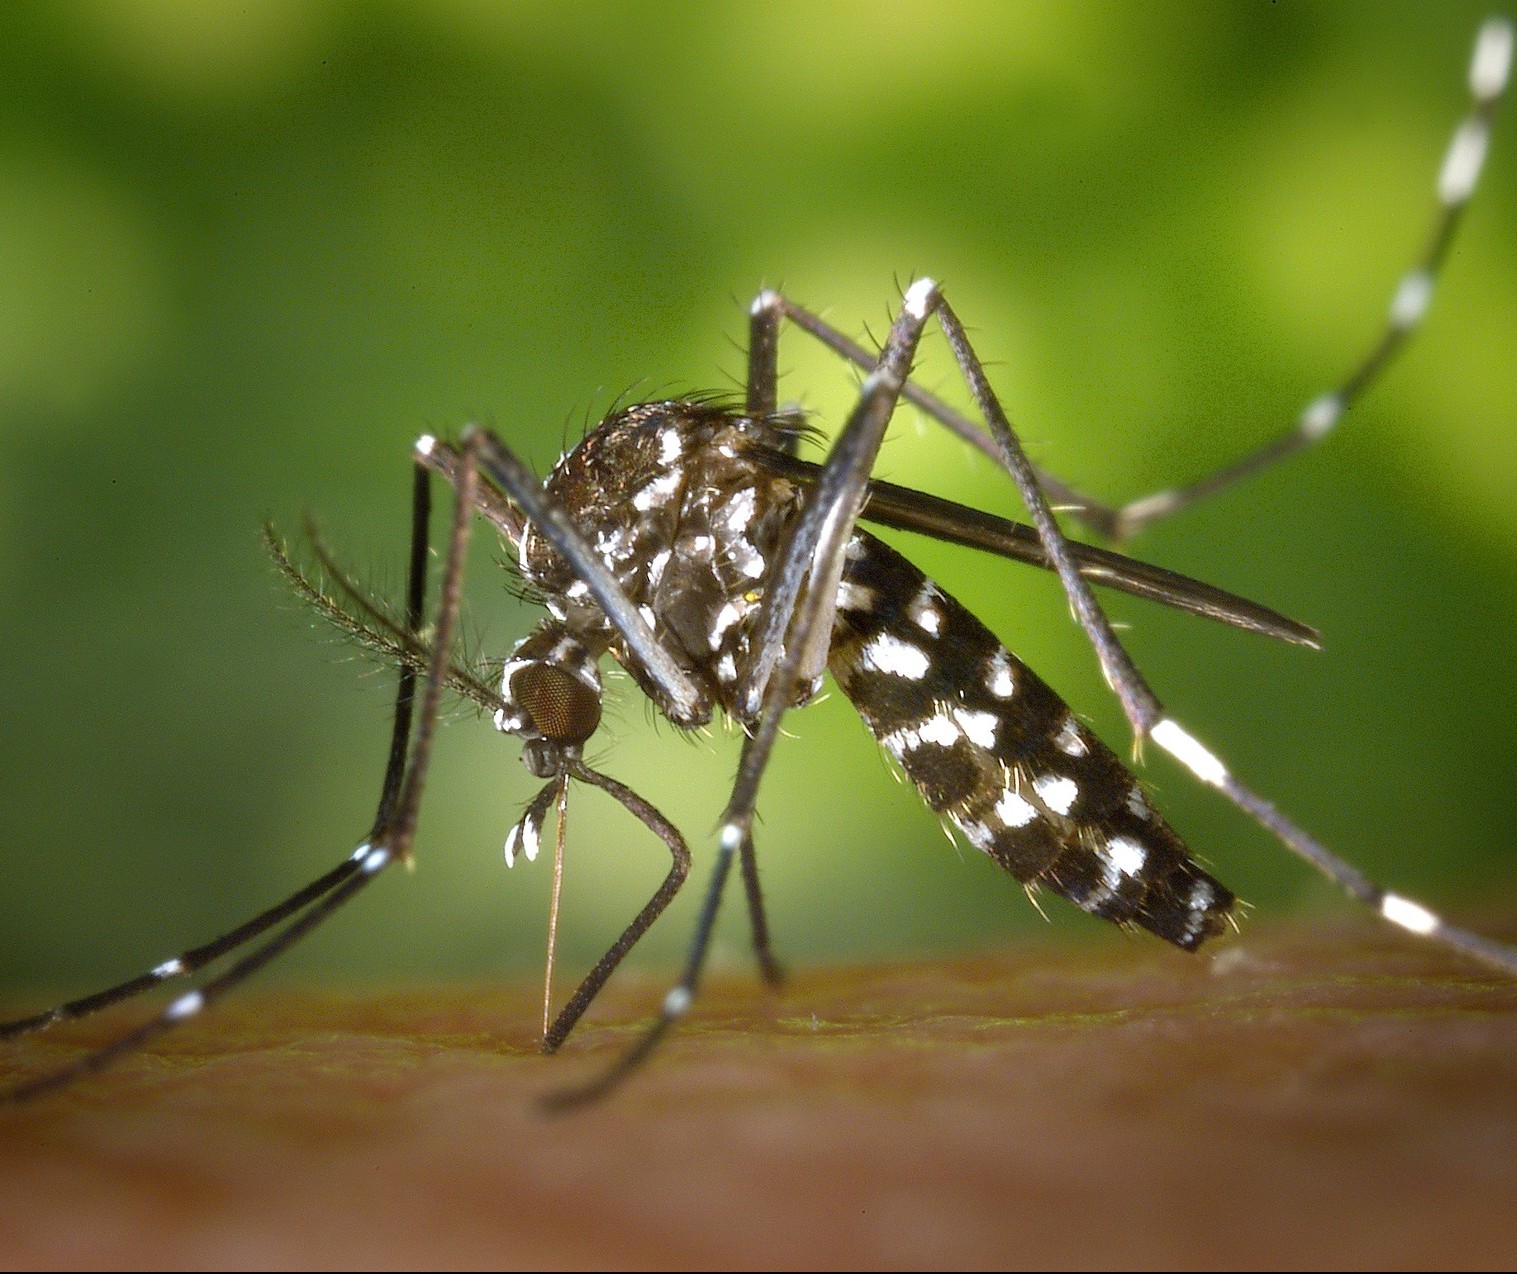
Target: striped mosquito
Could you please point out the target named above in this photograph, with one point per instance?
(687, 540)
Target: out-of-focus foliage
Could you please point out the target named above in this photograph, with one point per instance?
(248, 252)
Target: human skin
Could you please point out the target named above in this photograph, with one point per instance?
(1326, 1096)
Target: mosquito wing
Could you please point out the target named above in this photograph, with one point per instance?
(911, 510)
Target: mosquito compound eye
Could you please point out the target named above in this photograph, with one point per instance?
(561, 706)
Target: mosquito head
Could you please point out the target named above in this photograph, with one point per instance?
(552, 690)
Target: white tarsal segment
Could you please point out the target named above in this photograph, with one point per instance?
(375, 859)
(1320, 415)
(677, 1002)
(919, 297)
(169, 968)
(1492, 62)
(187, 1005)
(1151, 506)
(1409, 915)
(426, 445)
(885, 652)
(1461, 167)
(1189, 751)
(1412, 298)
(1057, 791)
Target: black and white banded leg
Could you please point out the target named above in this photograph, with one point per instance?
(1457, 178)
(389, 839)
(553, 703)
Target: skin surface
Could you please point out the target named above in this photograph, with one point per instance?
(1321, 1097)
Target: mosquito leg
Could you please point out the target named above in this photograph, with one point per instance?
(677, 1001)
(678, 871)
(315, 902)
(405, 692)
(1399, 910)
(1147, 715)
(1457, 179)
(813, 556)
(758, 921)
(764, 318)
(185, 963)
(1139, 704)
(1458, 176)
(192, 1002)
(792, 628)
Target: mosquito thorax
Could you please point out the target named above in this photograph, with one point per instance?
(670, 496)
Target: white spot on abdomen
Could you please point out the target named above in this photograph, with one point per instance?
(1012, 810)
(979, 727)
(1069, 740)
(1057, 791)
(887, 653)
(1126, 855)
(998, 678)
(858, 598)
(924, 610)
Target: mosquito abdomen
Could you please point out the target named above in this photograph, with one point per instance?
(992, 748)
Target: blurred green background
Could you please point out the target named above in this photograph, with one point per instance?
(249, 252)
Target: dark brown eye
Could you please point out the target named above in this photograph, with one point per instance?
(561, 706)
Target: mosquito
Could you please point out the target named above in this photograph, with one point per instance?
(687, 540)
